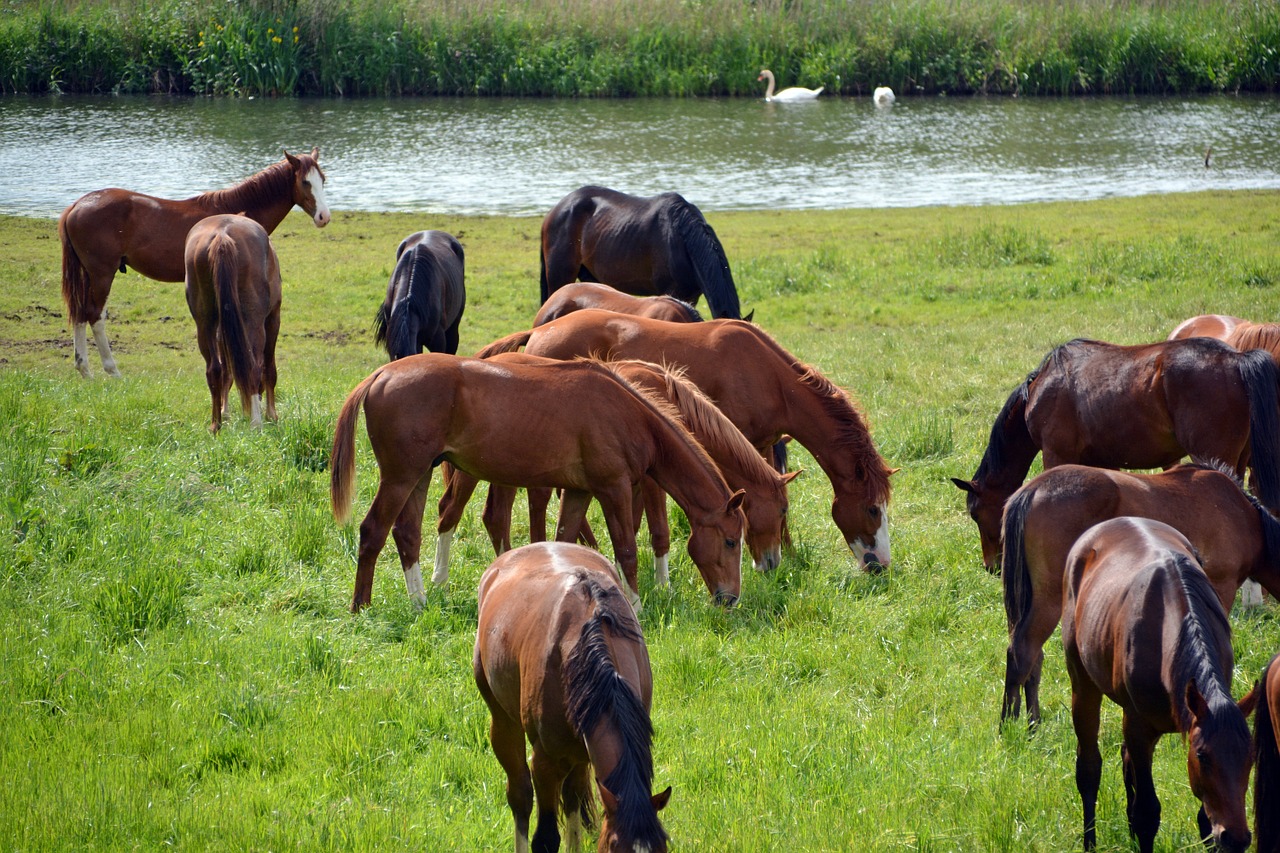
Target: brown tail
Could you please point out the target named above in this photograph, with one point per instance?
(224, 257)
(511, 343)
(75, 280)
(342, 462)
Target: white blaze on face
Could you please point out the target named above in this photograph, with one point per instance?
(879, 552)
(316, 184)
(440, 576)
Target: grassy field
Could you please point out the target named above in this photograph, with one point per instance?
(177, 665)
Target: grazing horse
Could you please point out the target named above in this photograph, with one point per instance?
(1264, 336)
(1144, 406)
(643, 246)
(1206, 326)
(577, 295)
(560, 660)
(113, 229)
(233, 291)
(425, 298)
(761, 388)
(764, 489)
(576, 427)
(1266, 779)
(1236, 537)
(1141, 625)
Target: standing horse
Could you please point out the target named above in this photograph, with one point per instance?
(233, 291)
(560, 660)
(642, 246)
(761, 388)
(577, 427)
(1235, 536)
(113, 229)
(578, 295)
(1144, 406)
(1266, 779)
(425, 298)
(1142, 626)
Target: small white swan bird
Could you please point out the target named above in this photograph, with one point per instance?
(795, 93)
(883, 96)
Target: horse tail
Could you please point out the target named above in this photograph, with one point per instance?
(1015, 575)
(224, 259)
(1266, 777)
(399, 319)
(511, 343)
(542, 274)
(710, 265)
(1261, 380)
(342, 462)
(75, 279)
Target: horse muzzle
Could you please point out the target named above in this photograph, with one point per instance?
(726, 598)
(769, 560)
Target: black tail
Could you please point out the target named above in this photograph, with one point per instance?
(542, 274)
(708, 260)
(1014, 573)
(1258, 371)
(1266, 777)
(224, 261)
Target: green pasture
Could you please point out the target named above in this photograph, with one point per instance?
(178, 666)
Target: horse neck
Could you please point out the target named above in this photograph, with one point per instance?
(1010, 448)
(266, 197)
(1202, 653)
(683, 469)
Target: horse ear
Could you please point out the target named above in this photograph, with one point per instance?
(750, 318)
(1250, 700)
(963, 485)
(400, 248)
(660, 800)
(735, 502)
(293, 161)
(607, 798)
(791, 475)
(1195, 702)
(315, 152)
(893, 471)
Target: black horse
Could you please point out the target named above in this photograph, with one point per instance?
(642, 246)
(425, 298)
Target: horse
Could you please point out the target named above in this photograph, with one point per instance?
(1236, 537)
(560, 660)
(764, 489)
(761, 388)
(114, 229)
(576, 427)
(1266, 779)
(233, 291)
(642, 246)
(1263, 336)
(577, 295)
(425, 298)
(1141, 625)
(1206, 326)
(1143, 406)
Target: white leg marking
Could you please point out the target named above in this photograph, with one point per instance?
(1250, 594)
(633, 598)
(255, 409)
(440, 576)
(522, 843)
(80, 335)
(662, 570)
(104, 349)
(413, 583)
(573, 832)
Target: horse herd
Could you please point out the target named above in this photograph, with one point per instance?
(624, 394)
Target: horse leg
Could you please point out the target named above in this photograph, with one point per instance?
(214, 368)
(80, 337)
(386, 507)
(538, 500)
(654, 504)
(576, 804)
(458, 488)
(616, 504)
(1140, 790)
(1025, 658)
(104, 348)
(1086, 712)
(497, 516)
(407, 533)
(548, 777)
(269, 363)
(507, 739)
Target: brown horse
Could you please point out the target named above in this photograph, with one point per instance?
(576, 427)
(1144, 406)
(761, 388)
(764, 489)
(1266, 779)
(425, 298)
(578, 295)
(560, 660)
(1141, 625)
(1206, 326)
(1235, 536)
(113, 229)
(643, 246)
(233, 291)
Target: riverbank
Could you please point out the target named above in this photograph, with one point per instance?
(615, 49)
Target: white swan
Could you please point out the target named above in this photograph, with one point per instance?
(883, 96)
(795, 93)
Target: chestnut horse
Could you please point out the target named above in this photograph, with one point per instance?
(560, 660)
(1266, 780)
(1144, 406)
(1141, 625)
(643, 246)
(578, 295)
(1206, 326)
(576, 427)
(425, 298)
(233, 291)
(764, 489)
(1235, 536)
(761, 388)
(113, 229)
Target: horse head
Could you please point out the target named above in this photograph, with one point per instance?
(612, 838)
(765, 520)
(986, 508)
(1219, 758)
(715, 546)
(865, 525)
(308, 185)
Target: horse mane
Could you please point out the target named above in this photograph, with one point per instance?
(1270, 524)
(1266, 777)
(593, 688)
(999, 450)
(690, 311)
(1196, 659)
(1249, 336)
(710, 264)
(259, 190)
(398, 319)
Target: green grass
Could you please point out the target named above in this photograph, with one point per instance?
(663, 47)
(177, 666)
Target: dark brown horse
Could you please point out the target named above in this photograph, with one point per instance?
(576, 427)
(1266, 779)
(761, 388)
(1235, 536)
(113, 229)
(643, 246)
(1206, 326)
(1144, 406)
(578, 295)
(560, 660)
(233, 291)
(425, 298)
(1142, 626)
